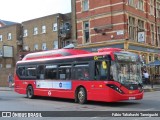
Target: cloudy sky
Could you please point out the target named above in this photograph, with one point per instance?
(23, 10)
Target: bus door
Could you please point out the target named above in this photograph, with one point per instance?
(100, 72)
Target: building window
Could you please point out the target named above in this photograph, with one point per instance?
(131, 2)
(141, 32)
(55, 44)
(140, 4)
(8, 66)
(140, 25)
(54, 26)
(43, 29)
(1, 66)
(158, 10)
(158, 36)
(132, 28)
(152, 7)
(152, 34)
(150, 58)
(35, 46)
(25, 33)
(0, 37)
(44, 46)
(86, 31)
(35, 31)
(26, 48)
(1, 52)
(9, 36)
(85, 5)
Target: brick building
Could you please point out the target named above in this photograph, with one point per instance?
(133, 25)
(10, 43)
(47, 33)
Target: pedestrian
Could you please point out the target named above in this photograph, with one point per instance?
(10, 79)
(146, 77)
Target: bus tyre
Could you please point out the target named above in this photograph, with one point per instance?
(82, 96)
(30, 93)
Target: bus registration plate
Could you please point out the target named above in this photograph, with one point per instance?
(132, 98)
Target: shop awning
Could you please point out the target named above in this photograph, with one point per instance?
(155, 63)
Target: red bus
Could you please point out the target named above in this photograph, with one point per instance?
(108, 75)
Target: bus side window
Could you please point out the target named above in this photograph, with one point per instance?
(82, 73)
(40, 72)
(51, 72)
(31, 71)
(64, 72)
(21, 71)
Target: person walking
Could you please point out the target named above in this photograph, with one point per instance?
(10, 80)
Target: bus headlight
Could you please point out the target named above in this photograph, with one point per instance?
(114, 87)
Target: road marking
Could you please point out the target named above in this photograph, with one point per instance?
(93, 117)
(148, 109)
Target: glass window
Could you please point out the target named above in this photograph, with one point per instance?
(150, 58)
(86, 31)
(54, 26)
(31, 71)
(140, 4)
(140, 25)
(158, 37)
(152, 7)
(0, 37)
(51, 72)
(44, 46)
(1, 65)
(21, 71)
(35, 46)
(26, 47)
(132, 28)
(43, 29)
(131, 2)
(126, 72)
(40, 72)
(25, 33)
(101, 73)
(85, 5)
(152, 34)
(9, 36)
(81, 72)
(55, 44)
(158, 10)
(35, 31)
(64, 72)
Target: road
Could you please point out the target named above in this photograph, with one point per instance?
(11, 101)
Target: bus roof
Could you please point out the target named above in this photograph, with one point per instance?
(65, 53)
(53, 54)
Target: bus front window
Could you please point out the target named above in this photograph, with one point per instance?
(126, 72)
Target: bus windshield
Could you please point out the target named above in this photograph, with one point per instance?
(126, 72)
(126, 68)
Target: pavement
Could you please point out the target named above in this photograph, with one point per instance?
(147, 88)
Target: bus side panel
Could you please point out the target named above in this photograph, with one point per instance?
(56, 88)
(98, 91)
(19, 87)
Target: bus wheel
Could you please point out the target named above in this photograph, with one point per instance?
(30, 93)
(82, 96)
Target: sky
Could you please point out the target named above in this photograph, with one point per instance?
(23, 10)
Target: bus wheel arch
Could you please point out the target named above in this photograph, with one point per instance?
(81, 95)
(30, 92)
